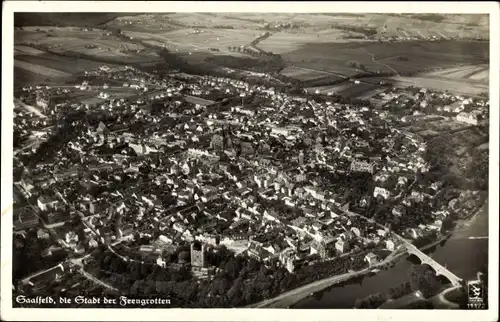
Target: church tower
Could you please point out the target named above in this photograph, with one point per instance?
(198, 255)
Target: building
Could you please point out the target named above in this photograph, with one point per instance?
(341, 246)
(362, 166)
(42, 102)
(161, 262)
(217, 142)
(301, 157)
(467, 118)
(93, 243)
(147, 248)
(356, 231)
(198, 255)
(384, 193)
(399, 211)
(371, 259)
(246, 148)
(42, 234)
(319, 248)
(287, 259)
(45, 203)
(382, 232)
(71, 238)
(389, 244)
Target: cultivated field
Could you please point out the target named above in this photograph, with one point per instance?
(211, 20)
(346, 89)
(40, 70)
(478, 73)
(453, 86)
(303, 74)
(95, 43)
(187, 39)
(314, 52)
(315, 47)
(24, 77)
(64, 64)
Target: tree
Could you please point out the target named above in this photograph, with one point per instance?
(236, 290)
(185, 256)
(400, 290)
(423, 278)
(372, 301)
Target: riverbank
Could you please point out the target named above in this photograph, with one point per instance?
(464, 222)
(296, 295)
(293, 296)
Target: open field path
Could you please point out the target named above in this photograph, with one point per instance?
(377, 62)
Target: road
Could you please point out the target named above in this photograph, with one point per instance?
(198, 100)
(289, 298)
(96, 280)
(37, 213)
(377, 62)
(26, 279)
(26, 147)
(29, 108)
(441, 302)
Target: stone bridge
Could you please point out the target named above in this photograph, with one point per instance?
(438, 268)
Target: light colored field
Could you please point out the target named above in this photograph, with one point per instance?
(186, 40)
(75, 40)
(453, 86)
(329, 88)
(37, 69)
(64, 64)
(483, 75)
(92, 100)
(317, 53)
(20, 50)
(213, 19)
(484, 146)
(476, 73)
(284, 42)
(348, 89)
(303, 74)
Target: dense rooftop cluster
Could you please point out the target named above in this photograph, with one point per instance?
(157, 163)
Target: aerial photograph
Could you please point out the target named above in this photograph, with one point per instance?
(250, 160)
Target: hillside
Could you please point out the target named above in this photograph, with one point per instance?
(75, 19)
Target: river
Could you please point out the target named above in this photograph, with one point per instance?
(463, 256)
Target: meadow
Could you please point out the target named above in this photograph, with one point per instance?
(318, 49)
(383, 57)
(479, 73)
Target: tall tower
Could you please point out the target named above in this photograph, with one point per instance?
(198, 258)
(301, 157)
(118, 225)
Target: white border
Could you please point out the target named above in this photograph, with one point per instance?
(8, 313)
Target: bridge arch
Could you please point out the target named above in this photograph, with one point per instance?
(414, 259)
(418, 257)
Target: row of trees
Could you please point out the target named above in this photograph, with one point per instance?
(27, 252)
(355, 64)
(252, 51)
(367, 31)
(420, 278)
(238, 281)
(268, 65)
